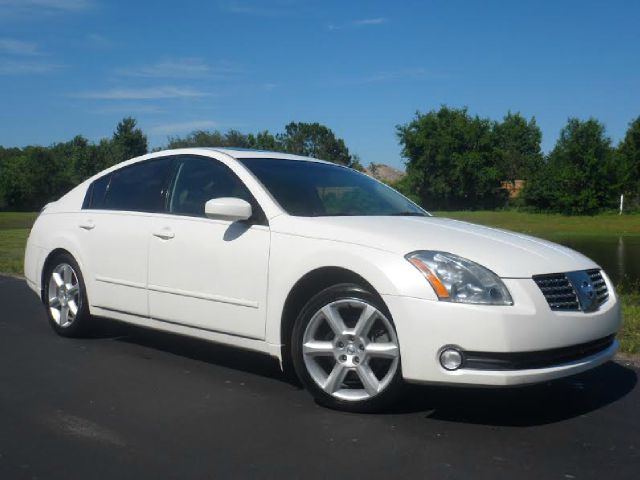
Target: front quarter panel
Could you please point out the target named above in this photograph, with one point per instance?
(293, 256)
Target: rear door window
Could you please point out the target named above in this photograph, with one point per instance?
(139, 187)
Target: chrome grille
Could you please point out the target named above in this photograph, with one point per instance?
(599, 286)
(558, 291)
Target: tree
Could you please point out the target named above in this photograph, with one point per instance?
(214, 138)
(32, 179)
(629, 161)
(264, 140)
(13, 184)
(78, 157)
(517, 146)
(131, 141)
(235, 138)
(6, 159)
(107, 154)
(579, 176)
(311, 139)
(198, 138)
(450, 161)
(314, 140)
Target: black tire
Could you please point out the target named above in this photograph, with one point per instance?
(80, 324)
(374, 403)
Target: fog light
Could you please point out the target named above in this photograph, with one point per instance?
(450, 359)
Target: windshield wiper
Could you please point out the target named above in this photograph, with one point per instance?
(408, 214)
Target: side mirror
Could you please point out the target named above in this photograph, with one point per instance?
(228, 208)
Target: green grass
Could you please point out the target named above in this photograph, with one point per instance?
(12, 242)
(553, 225)
(630, 332)
(16, 220)
(14, 230)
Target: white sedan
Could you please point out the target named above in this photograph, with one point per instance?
(330, 271)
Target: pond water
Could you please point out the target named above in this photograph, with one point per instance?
(619, 256)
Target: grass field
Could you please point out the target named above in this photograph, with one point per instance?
(630, 333)
(553, 225)
(14, 229)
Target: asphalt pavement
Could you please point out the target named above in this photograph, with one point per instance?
(135, 403)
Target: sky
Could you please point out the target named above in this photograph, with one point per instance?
(71, 67)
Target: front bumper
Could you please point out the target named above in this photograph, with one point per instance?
(424, 327)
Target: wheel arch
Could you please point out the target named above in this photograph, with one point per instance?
(48, 261)
(50, 257)
(304, 289)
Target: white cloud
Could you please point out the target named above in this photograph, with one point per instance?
(19, 6)
(180, 68)
(369, 21)
(402, 74)
(128, 108)
(183, 127)
(387, 76)
(17, 47)
(277, 8)
(26, 68)
(363, 22)
(151, 93)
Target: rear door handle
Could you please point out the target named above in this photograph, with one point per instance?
(88, 225)
(165, 234)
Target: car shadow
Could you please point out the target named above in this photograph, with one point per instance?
(539, 404)
(533, 405)
(255, 363)
(236, 230)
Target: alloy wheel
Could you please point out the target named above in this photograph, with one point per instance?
(350, 350)
(64, 295)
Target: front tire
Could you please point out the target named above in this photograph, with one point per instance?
(65, 297)
(345, 350)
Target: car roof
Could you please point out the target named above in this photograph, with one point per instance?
(239, 153)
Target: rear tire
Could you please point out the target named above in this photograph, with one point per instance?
(65, 297)
(345, 350)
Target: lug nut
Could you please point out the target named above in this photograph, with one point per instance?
(343, 358)
(340, 345)
(361, 347)
(356, 360)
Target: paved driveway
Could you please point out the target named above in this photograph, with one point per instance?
(132, 403)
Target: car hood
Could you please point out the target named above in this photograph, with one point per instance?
(508, 254)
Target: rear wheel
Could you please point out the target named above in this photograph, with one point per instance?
(65, 297)
(345, 350)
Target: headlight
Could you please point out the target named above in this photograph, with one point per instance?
(456, 279)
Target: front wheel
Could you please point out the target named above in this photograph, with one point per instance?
(346, 351)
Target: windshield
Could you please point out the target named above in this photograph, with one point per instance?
(313, 189)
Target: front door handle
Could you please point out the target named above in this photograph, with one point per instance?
(88, 225)
(165, 234)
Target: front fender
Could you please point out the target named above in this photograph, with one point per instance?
(292, 257)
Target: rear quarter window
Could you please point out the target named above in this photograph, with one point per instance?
(94, 199)
(138, 188)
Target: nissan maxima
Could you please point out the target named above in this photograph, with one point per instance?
(330, 271)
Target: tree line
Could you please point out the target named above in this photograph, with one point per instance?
(32, 176)
(454, 160)
(458, 161)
